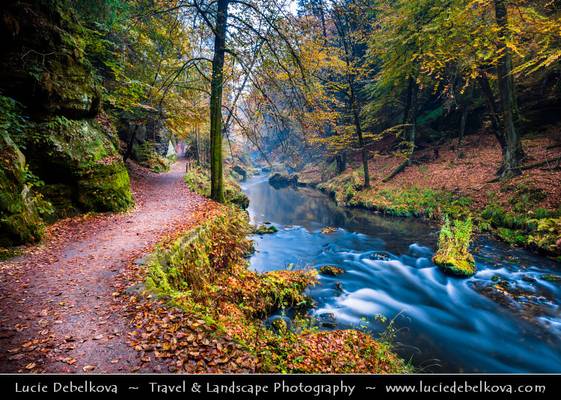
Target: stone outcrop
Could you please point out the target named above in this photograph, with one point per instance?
(51, 142)
(19, 215)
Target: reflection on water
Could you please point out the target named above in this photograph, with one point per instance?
(446, 324)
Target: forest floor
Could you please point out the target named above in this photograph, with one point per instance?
(61, 308)
(468, 170)
(453, 180)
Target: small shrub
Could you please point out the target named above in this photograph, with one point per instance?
(547, 236)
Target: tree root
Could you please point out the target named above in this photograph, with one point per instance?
(556, 160)
(396, 171)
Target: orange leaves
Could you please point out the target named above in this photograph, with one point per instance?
(188, 344)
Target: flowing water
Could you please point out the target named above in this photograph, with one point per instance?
(504, 319)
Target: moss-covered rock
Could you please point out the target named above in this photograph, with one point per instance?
(331, 270)
(456, 266)
(79, 154)
(453, 254)
(44, 63)
(146, 155)
(60, 195)
(279, 180)
(105, 187)
(264, 229)
(20, 221)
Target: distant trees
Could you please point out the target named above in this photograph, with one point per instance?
(332, 79)
(462, 51)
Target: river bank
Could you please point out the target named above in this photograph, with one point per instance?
(215, 308)
(442, 323)
(524, 211)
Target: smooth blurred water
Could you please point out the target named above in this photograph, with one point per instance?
(445, 324)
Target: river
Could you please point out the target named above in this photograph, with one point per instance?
(506, 318)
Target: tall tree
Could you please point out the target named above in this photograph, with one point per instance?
(216, 86)
(513, 153)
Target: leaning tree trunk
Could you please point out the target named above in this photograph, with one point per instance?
(494, 113)
(216, 85)
(409, 118)
(513, 153)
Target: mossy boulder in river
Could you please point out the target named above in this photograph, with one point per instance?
(20, 221)
(331, 270)
(264, 229)
(78, 154)
(456, 266)
(453, 255)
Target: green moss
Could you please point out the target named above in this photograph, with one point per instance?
(105, 188)
(20, 206)
(511, 236)
(198, 180)
(146, 155)
(539, 229)
(192, 261)
(78, 153)
(264, 230)
(409, 201)
(61, 197)
(331, 270)
(547, 235)
(10, 252)
(453, 254)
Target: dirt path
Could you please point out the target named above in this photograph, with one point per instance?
(59, 310)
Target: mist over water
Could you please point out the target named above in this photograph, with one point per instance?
(445, 324)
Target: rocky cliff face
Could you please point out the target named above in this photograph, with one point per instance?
(51, 142)
(149, 142)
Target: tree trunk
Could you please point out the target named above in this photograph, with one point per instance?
(217, 82)
(358, 129)
(130, 144)
(463, 120)
(513, 153)
(491, 105)
(413, 130)
(495, 122)
(407, 107)
(341, 161)
(197, 146)
(410, 109)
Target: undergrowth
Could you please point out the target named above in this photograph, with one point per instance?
(206, 272)
(520, 221)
